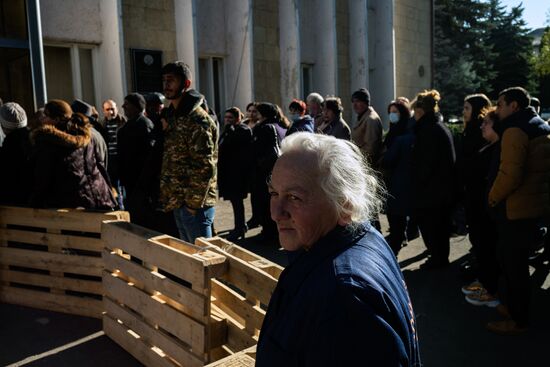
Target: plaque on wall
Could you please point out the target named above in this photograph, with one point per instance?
(146, 70)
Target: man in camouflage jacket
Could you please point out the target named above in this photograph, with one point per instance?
(188, 183)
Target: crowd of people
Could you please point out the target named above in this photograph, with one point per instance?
(167, 159)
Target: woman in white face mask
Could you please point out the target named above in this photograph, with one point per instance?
(396, 166)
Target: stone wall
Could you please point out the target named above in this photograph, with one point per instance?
(344, 69)
(148, 25)
(412, 46)
(267, 61)
(71, 21)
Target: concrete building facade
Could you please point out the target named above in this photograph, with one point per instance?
(239, 50)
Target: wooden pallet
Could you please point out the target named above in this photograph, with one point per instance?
(51, 259)
(157, 297)
(241, 294)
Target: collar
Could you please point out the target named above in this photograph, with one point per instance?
(302, 262)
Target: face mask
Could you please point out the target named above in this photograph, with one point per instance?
(394, 117)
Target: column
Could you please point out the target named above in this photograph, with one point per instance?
(359, 44)
(186, 44)
(238, 64)
(289, 43)
(37, 53)
(325, 70)
(112, 67)
(383, 80)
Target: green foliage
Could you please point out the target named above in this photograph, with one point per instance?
(479, 48)
(542, 61)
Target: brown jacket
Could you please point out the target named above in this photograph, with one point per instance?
(523, 176)
(367, 135)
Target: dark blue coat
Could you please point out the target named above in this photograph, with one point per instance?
(397, 161)
(342, 303)
(305, 123)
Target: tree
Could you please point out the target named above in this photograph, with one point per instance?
(542, 68)
(508, 37)
(462, 59)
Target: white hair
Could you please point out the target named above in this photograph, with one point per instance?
(345, 177)
(315, 97)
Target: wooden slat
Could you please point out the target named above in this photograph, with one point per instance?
(230, 301)
(53, 262)
(194, 302)
(67, 219)
(135, 346)
(42, 280)
(171, 346)
(253, 259)
(54, 302)
(48, 239)
(135, 240)
(188, 330)
(254, 282)
(236, 360)
(237, 337)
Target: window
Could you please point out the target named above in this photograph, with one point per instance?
(70, 72)
(307, 80)
(212, 83)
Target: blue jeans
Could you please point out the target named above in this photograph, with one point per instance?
(192, 226)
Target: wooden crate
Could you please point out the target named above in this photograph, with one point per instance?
(157, 298)
(241, 294)
(51, 259)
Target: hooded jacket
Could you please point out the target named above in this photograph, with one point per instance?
(189, 164)
(66, 172)
(523, 179)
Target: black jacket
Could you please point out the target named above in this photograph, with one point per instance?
(15, 184)
(135, 139)
(265, 147)
(433, 164)
(234, 161)
(66, 172)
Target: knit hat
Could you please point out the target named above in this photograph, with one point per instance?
(362, 95)
(12, 116)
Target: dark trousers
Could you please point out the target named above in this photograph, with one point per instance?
(262, 198)
(483, 237)
(435, 227)
(398, 231)
(515, 238)
(238, 213)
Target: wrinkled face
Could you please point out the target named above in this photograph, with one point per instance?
(314, 108)
(171, 85)
(503, 109)
(229, 119)
(298, 205)
(488, 131)
(110, 110)
(359, 106)
(252, 113)
(467, 112)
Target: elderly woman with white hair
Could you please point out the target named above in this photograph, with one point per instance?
(314, 103)
(342, 301)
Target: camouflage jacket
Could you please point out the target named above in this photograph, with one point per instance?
(189, 174)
